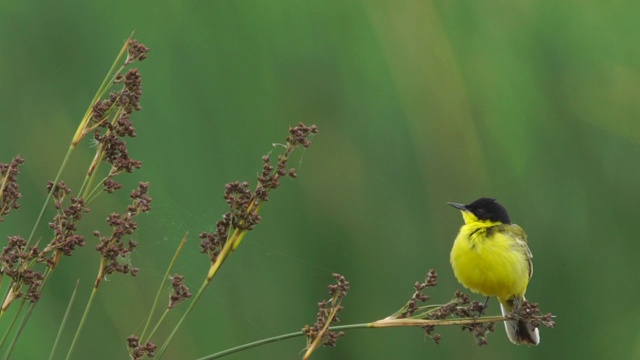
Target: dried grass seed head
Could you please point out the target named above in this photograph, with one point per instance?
(139, 351)
(299, 135)
(136, 51)
(9, 188)
(65, 239)
(180, 291)
(114, 249)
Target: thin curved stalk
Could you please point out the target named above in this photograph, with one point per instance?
(82, 320)
(213, 270)
(64, 320)
(6, 334)
(157, 299)
(376, 324)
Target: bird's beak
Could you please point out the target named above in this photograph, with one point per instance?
(461, 207)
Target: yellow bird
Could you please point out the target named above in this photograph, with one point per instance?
(490, 256)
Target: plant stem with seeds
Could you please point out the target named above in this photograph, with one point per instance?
(376, 324)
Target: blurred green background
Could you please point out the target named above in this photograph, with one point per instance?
(418, 103)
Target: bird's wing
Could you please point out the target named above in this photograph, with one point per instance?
(517, 233)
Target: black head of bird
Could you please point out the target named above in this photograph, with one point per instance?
(486, 209)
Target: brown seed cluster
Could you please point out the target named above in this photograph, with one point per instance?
(212, 243)
(180, 291)
(299, 135)
(269, 179)
(473, 309)
(65, 237)
(531, 312)
(136, 52)
(137, 350)
(14, 258)
(244, 214)
(327, 314)
(17, 256)
(113, 146)
(115, 250)
(244, 204)
(9, 188)
(129, 99)
(459, 307)
(480, 331)
(419, 296)
(111, 120)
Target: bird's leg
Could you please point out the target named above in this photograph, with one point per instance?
(516, 307)
(480, 313)
(514, 302)
(484, 306)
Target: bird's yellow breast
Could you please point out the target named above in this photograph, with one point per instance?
(490, 262)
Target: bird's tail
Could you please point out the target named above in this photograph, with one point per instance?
(519, 331)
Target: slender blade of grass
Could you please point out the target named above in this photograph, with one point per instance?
(157, 299)
(82, 321)
(64, 320)
(8, 331)
(23, 323)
